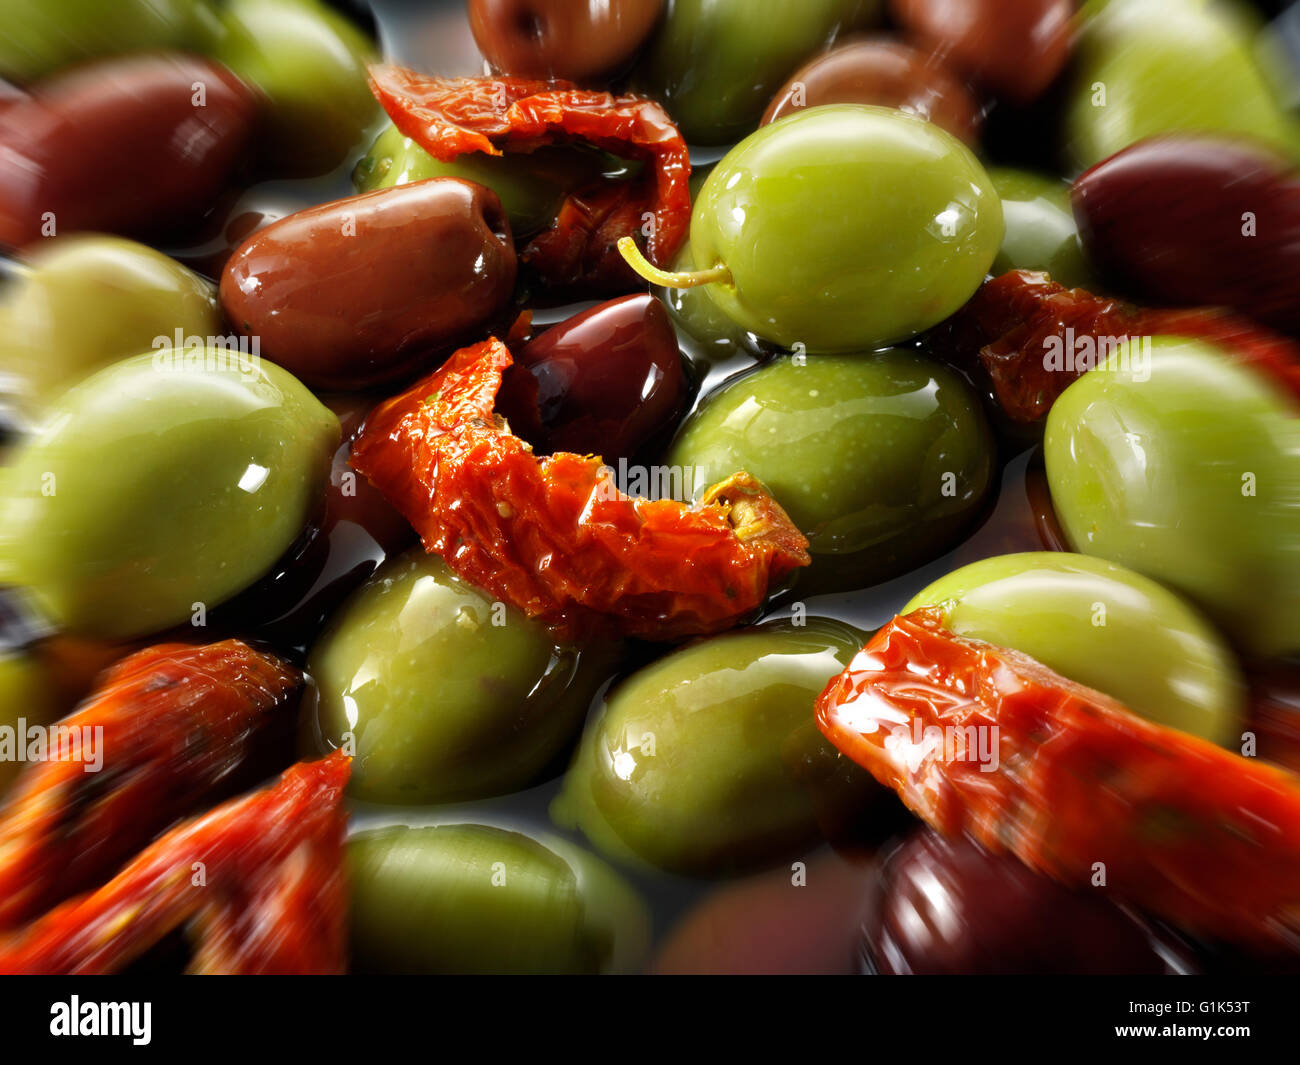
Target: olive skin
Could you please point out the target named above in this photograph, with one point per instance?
(1040, 229)
(880, 458)
(1101, 625)
(121, 146)
(364, 290)
(471, 899)
(846, 228)
(24, 694)
(716, 63)
(1168, 67)
(1197, 220)
(695, 312)
(577, 40)
(310, 65)
(708, 761)
(603, 382)
(1190, 477)
(887, 73)
(155, 485)
(948, 907)
(85, 301)
(502, 702)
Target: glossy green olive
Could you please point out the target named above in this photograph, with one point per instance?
(1187, 469)
(446, 694)
(42, 36)
(86, 301)
(476, 899)
(1104, 626)
(880, 459)
(160, 485)
(24, 695)
(1040, 229)
(695, 311)
(310, 63)
(531, 186)
(708, 759)
(846, 228)
(1145, 67)
(716, 63)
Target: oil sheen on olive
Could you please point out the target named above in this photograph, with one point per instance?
(1185, 466)
(366, 289)
(160, 486)
(846, 228)
(879, 458)
(445, 694)
(471, 899)
(1105, 626)
(1040, 229)
(708, 759)
(121, 146)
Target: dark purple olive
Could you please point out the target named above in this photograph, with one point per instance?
(1197, 219)
(133, 146)
(948, 907)
(603, 382)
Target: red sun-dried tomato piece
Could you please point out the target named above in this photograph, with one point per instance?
(1204, 838)
(553, 536)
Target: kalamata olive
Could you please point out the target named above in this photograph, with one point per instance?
(603, 382)
(574, 39)
(884, 72)
(458, 898)
(1274, 714)
(1191, 219)
(947, 907)
(366, 289)
(131, 146)
(1015, 47)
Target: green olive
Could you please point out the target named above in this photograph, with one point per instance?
(708, 760)
(26, 696)
(470, 899)
(1178, 462)
(160, 486)
(310, 63)
(695, 311)
(86, 301)
(445, 694)
(1040, 230)
(880, 459)
(1104, 626)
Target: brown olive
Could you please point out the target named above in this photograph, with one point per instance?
(364, 290)
(574, 39)
(887, 73)
(132, 146)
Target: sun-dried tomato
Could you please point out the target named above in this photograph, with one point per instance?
(1207, 839)
(1006, 327)
(172, 729)
(259, 881)
(553, 536)
(449, 117)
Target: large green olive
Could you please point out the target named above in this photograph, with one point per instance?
(160, 485)
(708, 760)
(25, 695)
(1145, 67)
(310, 62)
(695, 311)
(846, 228)
(880, 459)
(445, 694)
(716, 63)
(1179, 463)
(1104, 626)
(42, 36)
(463, 899)
(1040, 229)
(86, 301)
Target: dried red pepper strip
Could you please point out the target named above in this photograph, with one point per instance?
(553, 536)
(1006, 325)
(177, 723)
(449, 117)
(260, 878)
(1206, 839)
